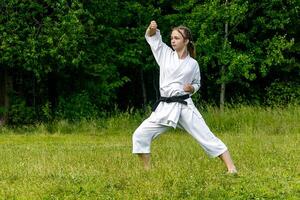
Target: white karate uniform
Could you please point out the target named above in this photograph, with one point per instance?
(174, 74)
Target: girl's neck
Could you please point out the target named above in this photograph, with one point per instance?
(182, 54)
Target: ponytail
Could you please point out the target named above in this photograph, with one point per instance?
(191, 49)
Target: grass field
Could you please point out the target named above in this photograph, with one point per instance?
(95, 161)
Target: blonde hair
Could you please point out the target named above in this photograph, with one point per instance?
(187, 35)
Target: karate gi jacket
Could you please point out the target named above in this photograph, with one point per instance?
(174, 74)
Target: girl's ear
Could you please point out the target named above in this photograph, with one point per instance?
(187, 41)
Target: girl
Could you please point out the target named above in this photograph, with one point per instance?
(179, 79)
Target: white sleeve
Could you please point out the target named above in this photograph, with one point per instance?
(196, 81)
(159, 49)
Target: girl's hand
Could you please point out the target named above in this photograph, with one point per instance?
(188, 88)
(151, 30)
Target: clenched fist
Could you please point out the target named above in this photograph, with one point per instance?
(188, 88)
(151, 30)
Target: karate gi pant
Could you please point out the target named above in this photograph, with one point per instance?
(189, 120)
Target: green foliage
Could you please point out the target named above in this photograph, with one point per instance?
(274, 50)
(211, 38)
(282, 93)
(58, 41)
(57, 49)
(76, 107)
(42, 36)
(20, 113)
(46, 112)
(257, 41)
(2, 111)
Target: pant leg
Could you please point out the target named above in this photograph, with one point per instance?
(194, 124)
(144, 134)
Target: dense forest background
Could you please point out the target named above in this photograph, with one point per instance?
(86, 58)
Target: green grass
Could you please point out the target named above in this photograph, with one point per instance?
(95, 161)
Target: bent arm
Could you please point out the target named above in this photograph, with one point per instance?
(194, 86)
(196, 81)
(159, 49)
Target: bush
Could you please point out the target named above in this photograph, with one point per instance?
(282, 93)
(76, 107)
(20, 113)
(2, 111)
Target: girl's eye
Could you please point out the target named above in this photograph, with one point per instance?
(175, 38)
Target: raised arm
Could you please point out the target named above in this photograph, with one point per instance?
(159, 49)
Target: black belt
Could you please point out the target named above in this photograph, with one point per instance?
(179, 99)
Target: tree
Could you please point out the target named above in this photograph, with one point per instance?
(256, 40)
(39, 38)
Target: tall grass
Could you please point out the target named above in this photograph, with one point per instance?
(93, 160)
(235, 120)
(255, 119)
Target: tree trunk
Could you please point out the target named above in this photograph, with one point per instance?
(5, 89)
(222, 93)
(223, 84)
(52, 90)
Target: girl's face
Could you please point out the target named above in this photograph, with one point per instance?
(177, 41)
